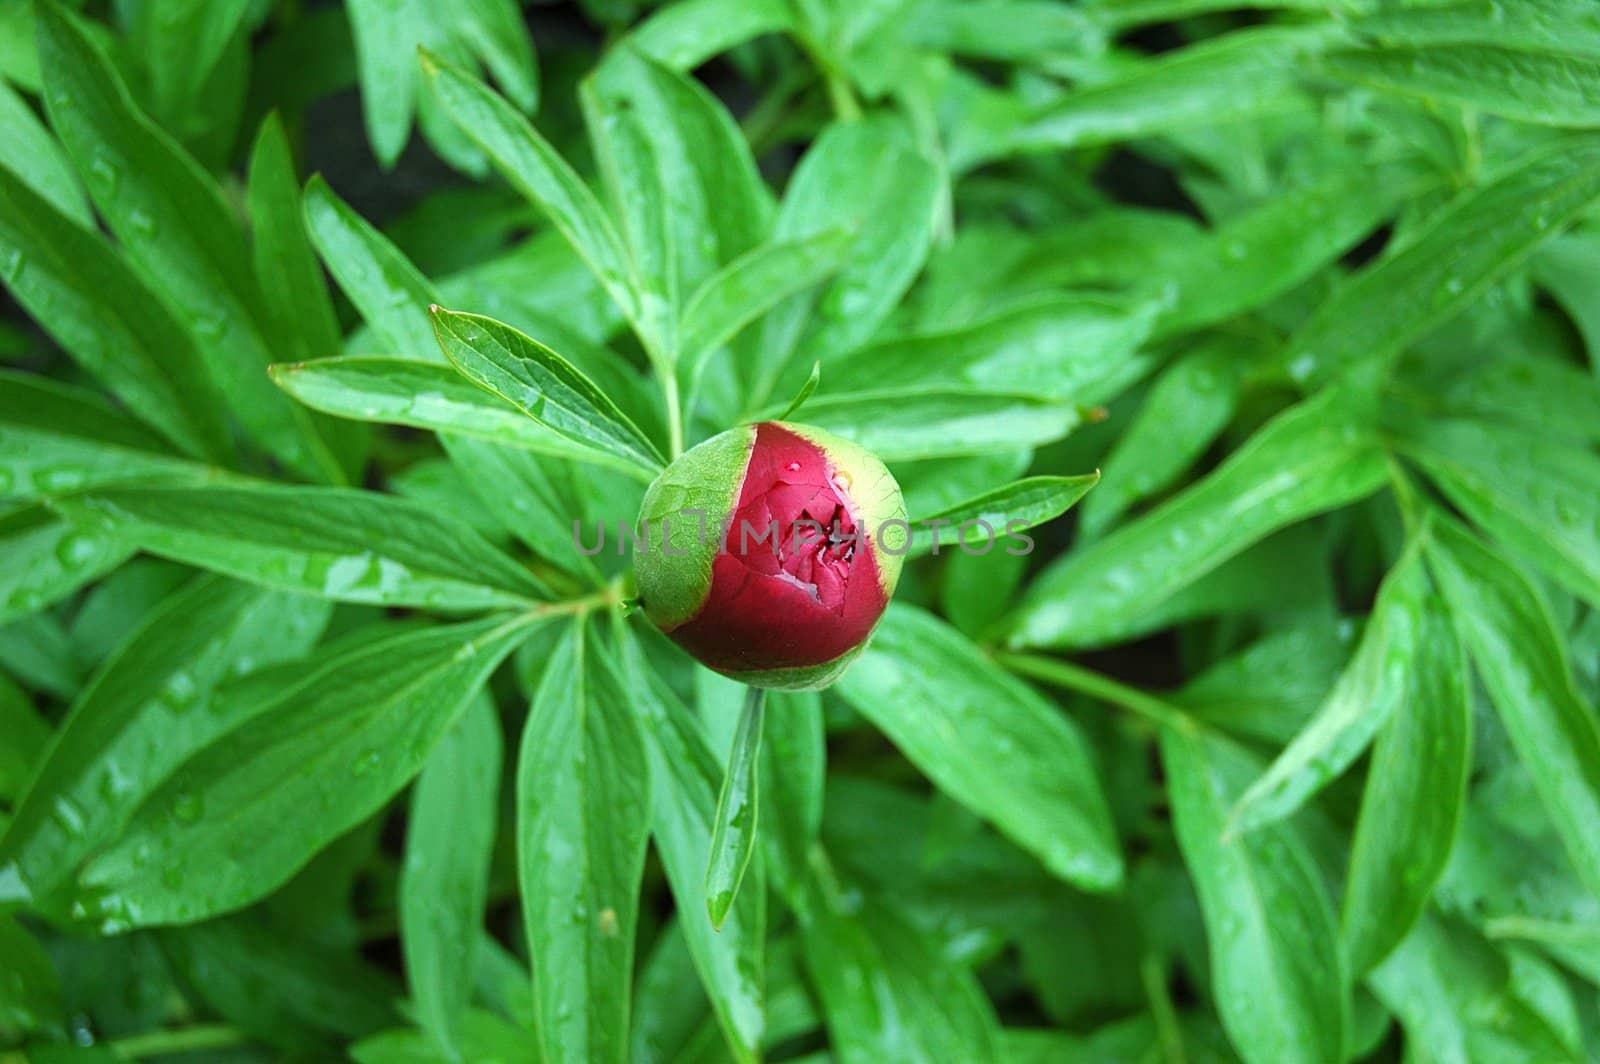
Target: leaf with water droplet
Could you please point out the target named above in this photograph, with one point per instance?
(733, 839)
(583, 817)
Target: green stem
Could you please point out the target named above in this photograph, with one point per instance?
(669, 389)
(186, 1040)
(1168, 1031)
(840, 97)
(1072, 677)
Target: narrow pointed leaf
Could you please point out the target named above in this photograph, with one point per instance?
(1314, 457)
(991, 520)
(1275, 966)
(176, 227)
(427, 395)
(988, 741)
(1415, 794)
(733, 840)
(55, 439)
(684, 777)
(541, 384)
(391, 294)
(338, 543)
(450, 837)
(340, 743)
(583, 817)
(45, 557)
(102, 313)
(1521, 658)
(1374, 686)
(753, 284)
(1463, 250)
(1537, 495)
(146, 710)
(536, 170)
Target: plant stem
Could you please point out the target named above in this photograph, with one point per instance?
(669, 388)
(602, 599)
(185, 1040)
(1072, 677)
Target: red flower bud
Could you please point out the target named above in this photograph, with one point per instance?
(770, 552)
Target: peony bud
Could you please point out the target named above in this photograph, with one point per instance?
(770, 551)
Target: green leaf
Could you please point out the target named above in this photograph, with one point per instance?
(44, 558)
(55, 438)
(1568, 26)
(1532, 393)
(583, 817)
(693, 162)
(1182, 414)
(151, 706)
(292, 289)
(1125, 14)
(684, 780)
(733, 840)
(29, 151)
(1076, 348)
(26, 736)
(807, 390)
(889, 993)
(291, 993)
(1014, 30)
(866, 178)
(987, 740)
(174, 224)
(1537, 495)
(541, 384)
(637, 189)
(909, 426)
(1227, 78)
(1260, 254)
(428, 395)
(1522, 661)
(1540, 87)
(1002, 512)
(102, 314)
(30, 999)
(1276, 971)
(794, 764)
(548, 503)
(338, 543)
(536, 170)
(484, 1037)
(1376, 684)
(37, 651)
(391, 294)
(1314, 457)
(753, 284)
(317, 758)
(1460, 999)
(1450, 263)
(1415, 793)
(686, 34)
(193, 64)
(387, 36)
(444, 882)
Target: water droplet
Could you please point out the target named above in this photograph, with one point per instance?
(104, 172)
(75, 550)
(11, 264)
(59, 479)
(366, 763)
(188, 807)
(142, 223)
